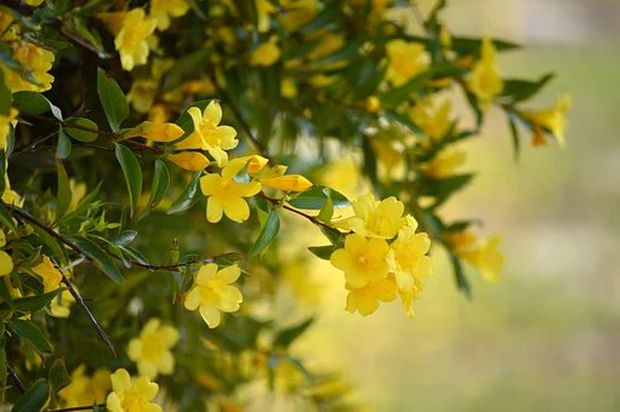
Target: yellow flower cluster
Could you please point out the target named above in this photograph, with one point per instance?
(383, 257)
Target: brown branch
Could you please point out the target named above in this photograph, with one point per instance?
(15, 379)
(78, 408)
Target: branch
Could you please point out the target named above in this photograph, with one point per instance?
(78, 408)
(15, 379)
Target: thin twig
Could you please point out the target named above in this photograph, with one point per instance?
(15, 379)
(233, 108)
(78, 408)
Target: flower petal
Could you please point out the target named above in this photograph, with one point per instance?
(236, 209)
(211, 316)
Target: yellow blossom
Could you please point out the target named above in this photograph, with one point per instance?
(328, 44)
(132, 394)
(444, 163)
(208, 134)
(10, 196)
(158, 132)
(162, 10)
(213, 293)
(373, 104)
(142, 94)
(60, 306)
(78, 191)
(225, 195)
(288, 88)
(343, 175)
(365, 300)
(376, 218)
(6, 262)
(113, 20)
(132, 40)
(34, 3)
(484, 80)
(266, 54)
(6, 122)
(35, 59)
(362, 260)
(552, 119)
(84, 390)
(431, 117)
(49, 274)
(264, 9)
(483, 255)
(296, 13)
(287, 183)
(405, 61)
(151, 350)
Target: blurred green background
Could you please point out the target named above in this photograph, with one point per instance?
(547, 337)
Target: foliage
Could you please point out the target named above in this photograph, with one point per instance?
(145, 147)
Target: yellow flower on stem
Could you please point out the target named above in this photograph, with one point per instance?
(376, 218)
(49, 274)
(6, 262)
(213, 293)
(35, 59)
(85, 390)
(553, 119)
(405, 61)
(132, 40)
(132, 394)
(484, 80)
(163, 132)
(365, 300)
(226, 196)
(362, 260)
(431, 117)
(151, 350)
(208, 134)
(162, 10)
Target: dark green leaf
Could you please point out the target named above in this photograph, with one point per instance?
(133, 174)
(34, 103)
(327, 211)
(159, 187)
(514, 131)
(518, 90)
(63, 195)
(34, 399)
(316, 197)
(78, 132)
(63, 148)
(58, 375)
(323, 252)
(268, 232)
(459, 276)
(6, 219)
(103, 261)
(285, 337)
(29, 331)
(397, 95)
(51, 243)
(188, 198)
(5, 97)
(112, 100)
(3, 369)
(34, 303)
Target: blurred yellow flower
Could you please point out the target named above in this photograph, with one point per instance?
(444, 163)
(78, 191)
(552, 119)
(365, 300)
(208, 134)
(192, 161)
(484, 80)
(49, 274)
(484, 254)
(405, 61)
(162, 10)
(6, 121)
(132, 40)
(34, 3)
(142, 94)
(225, 195)
(328, 44)
(213, 293)
(60, 306)
(151, 350)
(35, 59)
(362, 260)
(343, 175)
(6, 262)
(264, 9)
(431, 117)
(376, 218)
(296, 13)
(132, 394)
(265, 54)
(85, 390)
(288, 88)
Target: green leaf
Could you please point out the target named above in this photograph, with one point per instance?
(58, 375)
(6, 219)
(326, 213)
(5, 97)
(188, 198)
(159, 187)
(323, 252)
(51, 243)
(285, 337)
(316, 197)
(3, 369)
(34, 103)
(79, 134)
(267, 234)
(125, 238)
(34, 303)
(63, 148)
(34, 399)
(514, 131)
(27, 330)
(112, 100)
(133, 174)
(518, 90)
(459, 276)
(103, 261)
(63, 195)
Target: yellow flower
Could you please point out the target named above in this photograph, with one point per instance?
(163, 132)
(34, 3)
(151, 350)
(484, 80)
(444, 163)
(362, 260)
(78, 191)
(264, 9)
(343, 175)
(60, 306)
(35, 59)
(213, 292)
(328, 43)
(376, 218)
(296, 13)
(131, 42)
(365, 300)
(161, 10)
(84, 390)
(9, 196)
(225, 195)
(288, 88)
(266, 54)
(142, 94)
(132, 394)
(552, 119)
(287, 183)
(6, 262)
(208, 135)
(405, 61)
(432, 118)
(49, 274)
(483, 255)
(373, 104)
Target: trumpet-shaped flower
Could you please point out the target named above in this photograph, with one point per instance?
(162, 10)
(37, 60)
(405, 61)
(151, 350)
(407, 257)
(208, 134)
(226, 196)
(158, 132)
(365, 300)
(6, 262)
(376, 218)
(85, 390)
(362, 260)
(132, 394)
(484, 80)
(132, 40)
(552, 119)
(49, 274)
(213, 293)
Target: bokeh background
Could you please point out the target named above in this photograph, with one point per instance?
(547, 337)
